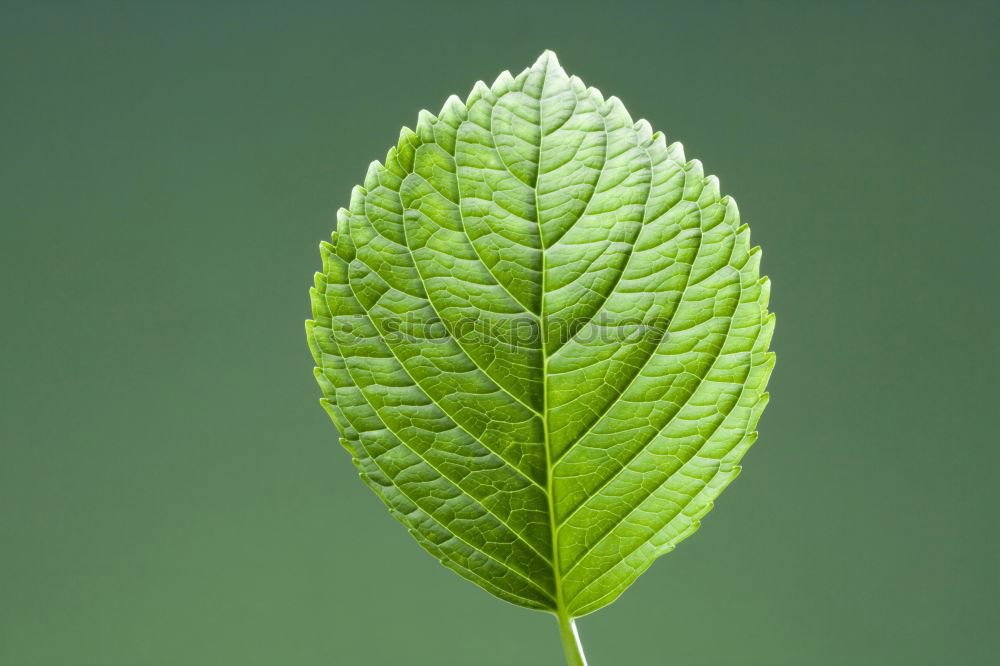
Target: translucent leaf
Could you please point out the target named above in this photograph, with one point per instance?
(542, 335)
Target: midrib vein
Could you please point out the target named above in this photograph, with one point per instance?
(543, 318)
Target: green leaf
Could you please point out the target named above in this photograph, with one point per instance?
(542, 335)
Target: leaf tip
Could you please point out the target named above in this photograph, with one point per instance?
(548, 59)
(548, 65)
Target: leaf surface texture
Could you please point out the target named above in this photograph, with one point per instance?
(543, 337)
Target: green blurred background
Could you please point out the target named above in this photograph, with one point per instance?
(171, 492)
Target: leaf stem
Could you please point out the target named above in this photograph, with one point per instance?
(570, 640)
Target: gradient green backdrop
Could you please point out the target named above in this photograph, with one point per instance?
(171, 492)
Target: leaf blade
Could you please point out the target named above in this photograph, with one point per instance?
(550, 469)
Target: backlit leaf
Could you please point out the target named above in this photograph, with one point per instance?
(542, 334)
